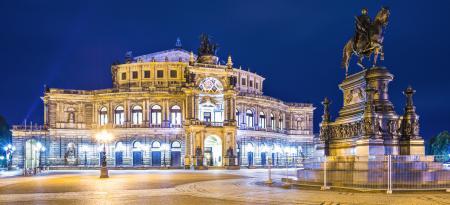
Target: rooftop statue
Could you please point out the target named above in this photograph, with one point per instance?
(207, 47)
(368, 38)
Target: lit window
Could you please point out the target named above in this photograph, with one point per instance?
(176, 144)
(249, 118)
(119, 116)
(156, 144)
(272, 121)
(280, 122)
(147, 74)
(262, 120)
(156, 115)
(71, 115)
(103, 116)
(175, 115)
(173, 73)
(237, 118)
(136, 115)
(211, 85)
(160, 74)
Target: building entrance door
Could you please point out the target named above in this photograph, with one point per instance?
(213, 151)
(209, 156)
(250, 158)
(175, 158)
(156, 158)
(119, 158)
(137, 158)
(263, 158)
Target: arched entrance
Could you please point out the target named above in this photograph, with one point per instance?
(213, 151)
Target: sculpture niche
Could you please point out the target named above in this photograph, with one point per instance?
(368, 38)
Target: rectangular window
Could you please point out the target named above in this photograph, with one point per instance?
(257, 85)
(173, 73)
(243, 81)
(135, 74)
(250, 83)
(160, 74)
(124, 76)
(147, 74)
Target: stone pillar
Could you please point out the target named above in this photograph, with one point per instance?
(371, 142)
(411, 143)
(323, 145)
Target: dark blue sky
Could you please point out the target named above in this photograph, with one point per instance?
(296, 45)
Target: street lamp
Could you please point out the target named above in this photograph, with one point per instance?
(164, 148)
(9, 149)
(103, 137)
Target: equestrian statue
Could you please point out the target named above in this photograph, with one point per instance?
(368, 38)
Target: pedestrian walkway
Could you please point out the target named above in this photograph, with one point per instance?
(246, 189)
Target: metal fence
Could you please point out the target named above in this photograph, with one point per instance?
(390, 172)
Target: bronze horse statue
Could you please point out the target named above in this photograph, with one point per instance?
(369, 41)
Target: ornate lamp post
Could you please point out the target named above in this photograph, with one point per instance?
(9, 149)
(164, 148)
(103, 137)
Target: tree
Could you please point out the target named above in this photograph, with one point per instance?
(5, 135)
(5, 132)
(440, 145)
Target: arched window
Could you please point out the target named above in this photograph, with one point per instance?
(281, 122)
(262, 120)
(156, 115)
(120, 147)
(176, 144)
(119, 116)
(137, 145)
(70, 115)
(249, 118)
(238, 121)
(156, 144)
(175, 115)
(103, 115)
(136, 115)
(272, 121)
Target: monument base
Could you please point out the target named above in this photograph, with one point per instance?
(412, 147)
(104, 172)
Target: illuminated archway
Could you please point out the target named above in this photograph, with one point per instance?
(213, 151)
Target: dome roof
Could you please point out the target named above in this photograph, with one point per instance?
(171, 55)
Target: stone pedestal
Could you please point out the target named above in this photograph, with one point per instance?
(199, 163)
(230, 163)
(412, 147)
(368, 147)
(104, 172)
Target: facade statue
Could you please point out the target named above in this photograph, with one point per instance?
(392, 127)
(368, 38)
(198, 151)
(207, 47)
(230, 152)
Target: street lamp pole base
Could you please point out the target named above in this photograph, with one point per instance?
(104, 172)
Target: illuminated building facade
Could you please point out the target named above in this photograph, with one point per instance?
(169, 108)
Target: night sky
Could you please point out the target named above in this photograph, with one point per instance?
(296, 45)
